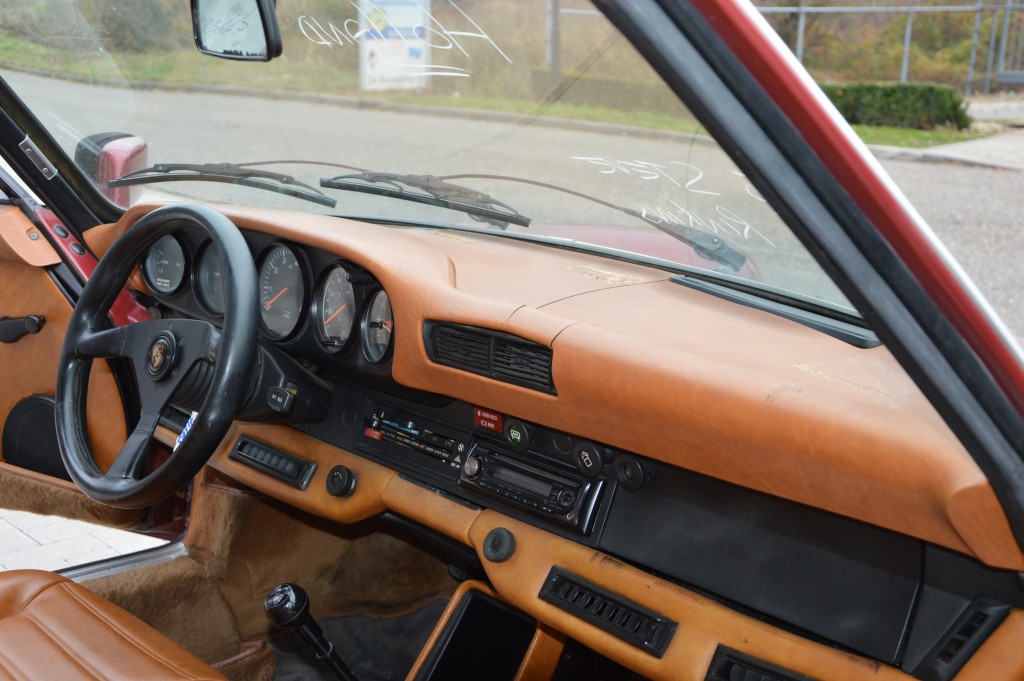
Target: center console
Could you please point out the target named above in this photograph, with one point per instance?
(493, 460)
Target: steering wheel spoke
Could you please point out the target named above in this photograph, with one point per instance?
(130, 462)
(109, 343)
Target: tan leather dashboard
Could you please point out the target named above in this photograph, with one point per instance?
(669, 373)
(652, 367)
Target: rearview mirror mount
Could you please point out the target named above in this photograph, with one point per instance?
(244, 30)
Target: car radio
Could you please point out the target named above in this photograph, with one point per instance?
(560, 496)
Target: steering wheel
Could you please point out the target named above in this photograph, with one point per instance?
(167, 354)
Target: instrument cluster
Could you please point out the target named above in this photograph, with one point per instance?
(309, 301)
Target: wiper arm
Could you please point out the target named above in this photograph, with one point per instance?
(707, 245)
(433, 191)
(228, 173)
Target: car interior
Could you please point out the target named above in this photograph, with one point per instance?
(385, 450)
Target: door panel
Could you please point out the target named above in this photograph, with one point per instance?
(28, 368)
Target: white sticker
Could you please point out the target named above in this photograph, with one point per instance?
(184, 431)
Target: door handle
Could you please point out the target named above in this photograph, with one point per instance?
(13, 329)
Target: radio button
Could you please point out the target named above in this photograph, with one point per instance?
(589, 458)
(517, 434)
(567, 498)
(472, 466)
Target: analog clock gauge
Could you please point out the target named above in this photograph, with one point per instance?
(282, 291)
(335, 309)
(208, 280)
(377, 327)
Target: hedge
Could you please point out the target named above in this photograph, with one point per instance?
(902, 105)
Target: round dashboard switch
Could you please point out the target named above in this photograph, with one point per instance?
(589, 458)
(517, 434)
(631, 471)
(341, 482)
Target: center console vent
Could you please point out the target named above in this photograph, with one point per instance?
(496, 355)
(287, 468)
(729, 665)
(629, 621)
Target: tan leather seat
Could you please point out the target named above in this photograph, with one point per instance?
(52, 629)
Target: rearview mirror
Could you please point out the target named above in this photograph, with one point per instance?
(246, 30)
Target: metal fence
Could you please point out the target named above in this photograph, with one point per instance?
(1001, 52)
(1004, 61)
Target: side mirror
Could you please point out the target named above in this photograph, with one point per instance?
(109, 155)
(245, 30)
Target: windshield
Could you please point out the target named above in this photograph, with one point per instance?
(444, 114)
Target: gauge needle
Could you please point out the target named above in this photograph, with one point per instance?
(331, 318)
(266, 306)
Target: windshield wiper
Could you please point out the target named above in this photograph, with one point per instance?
(707, 245)
(433, 191)
(227, 173)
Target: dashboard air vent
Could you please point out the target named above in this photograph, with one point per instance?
(729, 665)
(617, 615)
(287, 468)
(491, 353)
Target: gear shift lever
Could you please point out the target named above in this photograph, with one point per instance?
(287, 606)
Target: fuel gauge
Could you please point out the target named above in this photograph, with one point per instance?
(377, 327)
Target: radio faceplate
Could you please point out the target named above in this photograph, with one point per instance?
(558, 496)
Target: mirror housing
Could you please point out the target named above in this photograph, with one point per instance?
(108, 156)
(244, 30)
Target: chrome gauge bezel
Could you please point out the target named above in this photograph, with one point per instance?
(147, 276)
(302, 304)
(316, 309)
(371, 353)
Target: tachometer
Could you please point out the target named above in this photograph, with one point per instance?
(335, 309)
(164, 266)
(282, 291)
(377, 327)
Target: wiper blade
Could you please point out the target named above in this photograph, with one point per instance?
(433, 191)
(228, 173)
(707, 245)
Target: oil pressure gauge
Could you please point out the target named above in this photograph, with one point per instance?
(164, 266)
(376, 328)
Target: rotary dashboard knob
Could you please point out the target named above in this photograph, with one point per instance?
(472, 467)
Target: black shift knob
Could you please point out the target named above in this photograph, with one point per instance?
(286, 605)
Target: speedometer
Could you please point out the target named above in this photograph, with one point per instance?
(282, 291)
(335, 309)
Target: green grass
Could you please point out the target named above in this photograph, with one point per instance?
(596, 114)
(172, 67)
(914, 139)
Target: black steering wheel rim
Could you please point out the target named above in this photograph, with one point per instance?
(90, 335)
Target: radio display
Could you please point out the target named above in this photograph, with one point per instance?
(521, 480)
